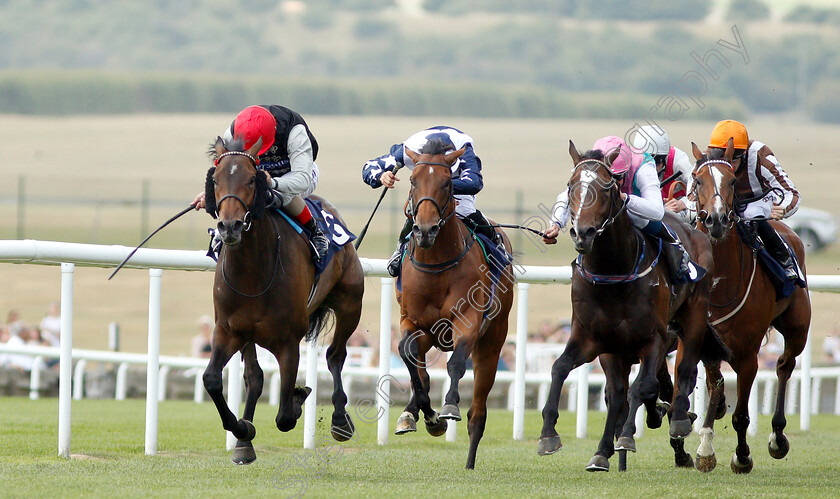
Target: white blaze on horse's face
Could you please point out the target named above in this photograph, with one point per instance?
(586, 178)
(233, 170)
(717, 177)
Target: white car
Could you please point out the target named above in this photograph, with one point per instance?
(816, 228)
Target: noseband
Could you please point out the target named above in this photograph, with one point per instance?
(702, 214)
(247, 219)
(612, 183)
(411, 209)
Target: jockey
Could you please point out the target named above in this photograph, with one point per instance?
(287, 157)
(672, 165)
(761, 179)
(639, 185)
(467, 180)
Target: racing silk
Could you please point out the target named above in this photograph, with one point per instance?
(291, 159)
(762, 173)
(644, 199)
(467, 179)
(673, 165)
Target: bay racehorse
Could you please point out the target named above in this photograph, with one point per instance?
(448, 299)
(743, 307)
(622, 305)
(265, 293)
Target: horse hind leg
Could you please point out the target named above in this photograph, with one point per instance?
(244, 453)
(291, 397)
(795, 334)
(485, 364)
(223, 347)
(706, 460)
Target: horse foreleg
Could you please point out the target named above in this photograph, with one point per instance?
(741, 461)
(706, 459)
(223, 347)
(455, 367)
(615, 393)
(572, 357)
(414, 358)
(694, 329)
(291, 397)
(244, 453)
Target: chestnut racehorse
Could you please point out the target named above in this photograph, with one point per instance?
(743, 307)
(265, 293)
(448, 299)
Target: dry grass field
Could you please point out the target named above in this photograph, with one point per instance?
(106, 159)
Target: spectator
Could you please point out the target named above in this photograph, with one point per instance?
(831, 347)
(201, 343)
(51, 325)
(20, 336)
(768, 355)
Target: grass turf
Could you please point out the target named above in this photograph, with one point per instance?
(108, 458)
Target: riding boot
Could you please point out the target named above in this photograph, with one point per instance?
(478, 224)
(215, 246)
(676, 257)
(395, 262)
(317, 238)
(776, 247)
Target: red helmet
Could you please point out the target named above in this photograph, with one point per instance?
(253, 123)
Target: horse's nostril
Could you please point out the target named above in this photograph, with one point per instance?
(590, 233)
(573, 233)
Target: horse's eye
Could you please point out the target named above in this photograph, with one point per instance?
(253, 180)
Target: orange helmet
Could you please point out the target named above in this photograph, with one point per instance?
(726, 129)
(252, 123)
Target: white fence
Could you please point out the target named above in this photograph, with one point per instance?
(67, 255)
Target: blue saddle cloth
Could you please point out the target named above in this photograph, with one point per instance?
(337, 233)
(775, 271)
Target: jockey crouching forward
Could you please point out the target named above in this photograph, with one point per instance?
(639, 184)
(673, 168)
(287, 157)
(763, 191)
(467, 181)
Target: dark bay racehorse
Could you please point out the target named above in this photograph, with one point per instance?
(622, 304)
(265, 293)
(743, 307)
(448, 299)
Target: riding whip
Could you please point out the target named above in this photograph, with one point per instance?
(672, 177)
(181, 213)
(381, 197)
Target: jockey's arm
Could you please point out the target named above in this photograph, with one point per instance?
(374, 169)
(777, 178)
(648, 204)
(470, 181)
(559, 217)
(299, 178)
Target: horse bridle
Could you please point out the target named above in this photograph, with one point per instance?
(612, 183)
(247, 218)
(702, 214)
(412, 207)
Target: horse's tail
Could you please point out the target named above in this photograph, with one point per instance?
(713, 348)
(318, 321)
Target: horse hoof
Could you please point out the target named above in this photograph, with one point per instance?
(625, 443)
(778, 446)
(683, 460)
(653, 420)
(598, 463)
(436, 426)
(250, 431)
(680, 428)
(739, 467)
(243, 453)
(450, 411)
(343, 433)
(662, 407)
(706, 463)
(406, 424)
(549, 445)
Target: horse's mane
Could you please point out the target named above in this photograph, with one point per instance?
(235, 144)
(596, 154)
(436, 146)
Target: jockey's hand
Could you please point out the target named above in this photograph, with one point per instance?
(675, 205)
(388, 179)
(777, 212)
(198, 202)
(550, 236)
(624, 196)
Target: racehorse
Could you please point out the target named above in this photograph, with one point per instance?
(448, 299)
(265, 293)
(743, 307)
(622, 305)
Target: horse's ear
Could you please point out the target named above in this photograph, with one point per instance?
(219, 146)
(613, 156)
(453, 156)
(696, 151)
(255, 149)
(730, 150)
(573, 152)
(411, 154)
